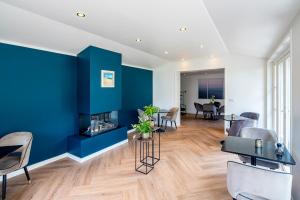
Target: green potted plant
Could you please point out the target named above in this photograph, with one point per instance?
(212, 99)
(150, 111)
(144, 127)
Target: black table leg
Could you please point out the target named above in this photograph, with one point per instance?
(253, 160)
(158, 123)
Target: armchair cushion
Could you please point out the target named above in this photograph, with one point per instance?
(9, 163)
(264, 183)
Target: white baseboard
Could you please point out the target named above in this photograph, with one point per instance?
(81, 160)
(37, 165)
(130, 131)
(64, 155)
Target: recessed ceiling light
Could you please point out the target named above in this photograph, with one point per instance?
(183, 29)
(201, 46)
(182, 59)
(166, 52)
(138, 40)
(80, 14)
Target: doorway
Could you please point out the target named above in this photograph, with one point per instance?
(199, 88)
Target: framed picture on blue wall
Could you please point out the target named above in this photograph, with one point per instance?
(107, 79)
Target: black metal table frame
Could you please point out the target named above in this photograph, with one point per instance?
(144, 159)
(145, 164)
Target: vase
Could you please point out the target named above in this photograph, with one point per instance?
(146, 135)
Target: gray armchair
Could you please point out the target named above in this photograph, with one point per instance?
(266, 136)
(171, 116)
(237, 126)
(246, 182)
(17, 160)
(251, 115)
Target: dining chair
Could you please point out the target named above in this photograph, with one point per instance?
(217, 104)
(141, 113)
(18, 159)
(221, 110)
(266, 136)
(171, 116)
(199, 108)
(209, 110)
(237, 126)
(246, 182)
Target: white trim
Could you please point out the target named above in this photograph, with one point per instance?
(65, 155)
(130, 131)
(37, 165)
(36, 47)
(81, 160)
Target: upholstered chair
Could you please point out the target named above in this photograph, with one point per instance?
(266, 136)
(199, 108)
(246, 182)
(251, 115)
(141, 113)
(18, 159)
(171, 116)
(221, 110)
(237, 126)
(209, 110)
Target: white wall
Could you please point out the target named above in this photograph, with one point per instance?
(244, 82)
(189, 83)
(295, 108)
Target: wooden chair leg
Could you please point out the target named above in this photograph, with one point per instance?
(171, 124)
(196, 114)
(166, 124)
(175, 124)
(27, 175)
(4, 180)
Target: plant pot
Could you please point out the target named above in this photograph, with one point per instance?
(146, 135)
(152, 123)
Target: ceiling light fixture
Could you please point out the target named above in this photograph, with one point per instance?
(183, 29)
(166, 52)
(182, 59)
(80, 14)
(201, 46)
(138, 40)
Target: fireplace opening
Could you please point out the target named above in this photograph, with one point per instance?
(91, 125)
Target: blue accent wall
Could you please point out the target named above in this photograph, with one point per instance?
(137, 92)
(43, 92)
(38, 94)
(95, 99)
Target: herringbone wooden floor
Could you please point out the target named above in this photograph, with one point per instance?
(191, 167)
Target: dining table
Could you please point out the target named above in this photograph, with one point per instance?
(232, 118)
(246, 147)
(6, 150)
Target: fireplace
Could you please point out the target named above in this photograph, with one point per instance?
(91, 125)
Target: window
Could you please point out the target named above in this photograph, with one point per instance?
(211, 87)
(281, 100)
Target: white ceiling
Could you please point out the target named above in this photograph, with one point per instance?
(250, 27)
(156, 22)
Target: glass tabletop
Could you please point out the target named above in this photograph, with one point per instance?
(232, 118)
(163, 111)
(246, 147)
